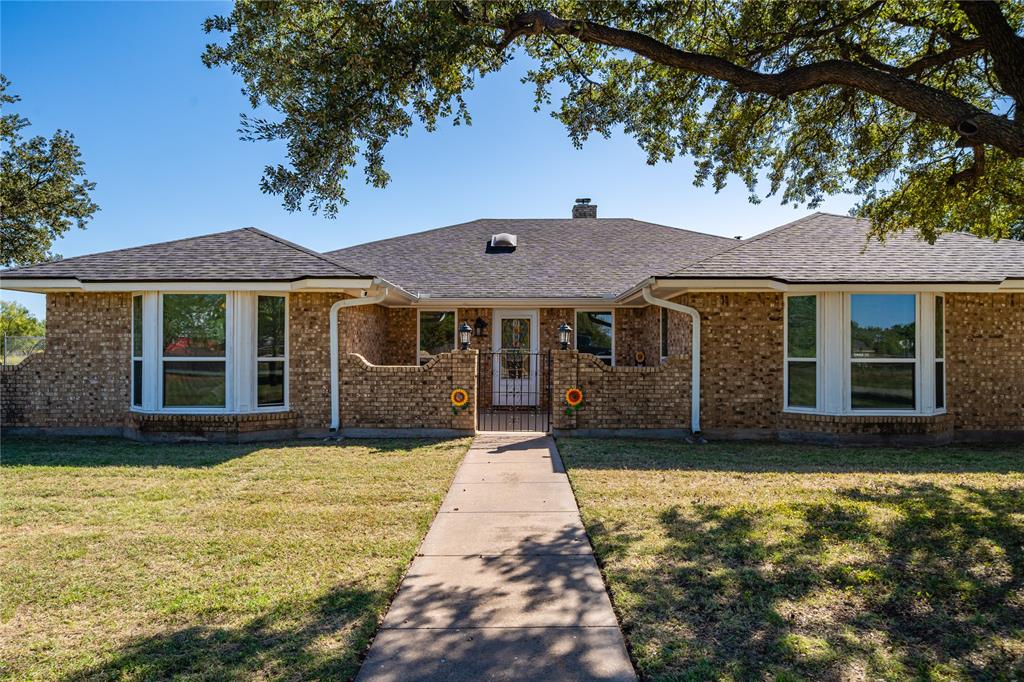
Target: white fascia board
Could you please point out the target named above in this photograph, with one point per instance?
(581, 303)
(760, 285)
(55, 285)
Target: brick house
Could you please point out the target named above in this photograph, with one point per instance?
(807, 331)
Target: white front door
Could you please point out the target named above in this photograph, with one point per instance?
(516, 343)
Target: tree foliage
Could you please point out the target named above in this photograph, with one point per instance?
(43, 189)
(17, 320)
(913, 105)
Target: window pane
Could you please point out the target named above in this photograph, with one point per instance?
(137, 383)
(437, 333)
(882, 385)
(594, 333)
(137, 326)
(194, 384)
(802, 321)
(940, 384)
(803, 384)
(883, 325)
(270, 383)
(940, 327)
(664, 332)
(270, 326)
(194, 325)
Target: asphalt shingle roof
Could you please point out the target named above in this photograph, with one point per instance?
(574, 257)
(824, 248)
(238, 255)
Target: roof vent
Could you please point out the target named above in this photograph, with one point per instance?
(584, 209)
(503, 240)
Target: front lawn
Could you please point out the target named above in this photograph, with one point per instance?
(766, 561)
(139, 561)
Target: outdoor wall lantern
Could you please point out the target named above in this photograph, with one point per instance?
(478, 327)
(464, 331)
(564, 332)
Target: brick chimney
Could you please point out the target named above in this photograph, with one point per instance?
(584, 209)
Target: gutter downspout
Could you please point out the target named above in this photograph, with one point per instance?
(338, 305)
(695, 352)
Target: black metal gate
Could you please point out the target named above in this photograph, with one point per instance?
(514, 391)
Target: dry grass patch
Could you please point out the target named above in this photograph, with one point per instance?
(766, 561)
(139, 561)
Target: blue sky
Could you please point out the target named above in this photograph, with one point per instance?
(158, 132)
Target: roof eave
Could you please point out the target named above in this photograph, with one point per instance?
(43, 285)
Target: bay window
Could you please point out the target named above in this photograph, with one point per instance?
(864, 353)
(595, 334)
(802, 352)
(209, 352)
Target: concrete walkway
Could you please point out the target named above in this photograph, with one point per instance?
(505, 586)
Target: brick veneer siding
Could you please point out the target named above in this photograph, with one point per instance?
(407, 397)
(81, 380)
(400, 348)
(985, 362)
(617, 398)
(854, 428)
(637, 329)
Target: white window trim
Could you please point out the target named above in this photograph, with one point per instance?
(834, 361)
(240, 394)
(575, 328)
(455, 335)
(137, 358)
(818, 344)
(945, 379)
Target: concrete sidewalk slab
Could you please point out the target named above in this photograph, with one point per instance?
(490, 533)
(510, 472)
(566, 654)
(466, 498)
(501, 591)
(505, 585)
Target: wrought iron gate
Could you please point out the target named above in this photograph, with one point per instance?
(514, 391)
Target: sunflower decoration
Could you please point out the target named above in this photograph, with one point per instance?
(640, 358)
(460, 400)
(573, 399)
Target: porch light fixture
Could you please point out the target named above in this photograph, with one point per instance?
(479, 326)
(464, 331)
(564, 332)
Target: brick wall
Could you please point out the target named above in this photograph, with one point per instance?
(741, 359)
(81, 380)
(985, 361)
(638, 329)
(403, 397)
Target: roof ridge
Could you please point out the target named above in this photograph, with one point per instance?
(302, 249)
(403, 236)
(677, 229)
(123, 249)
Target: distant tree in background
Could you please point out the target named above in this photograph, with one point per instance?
(43, 190)
(16, 320)
(914, 105)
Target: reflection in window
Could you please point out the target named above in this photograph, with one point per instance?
(137, 351)
(270, 353)
(883, 351)
(516, 342)
(437, 333)
(664, 332)
(194, 327)
(594, 334)
(802, 351)
(940, 352)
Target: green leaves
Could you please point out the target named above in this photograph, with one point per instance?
(898, 101)
(43, 191)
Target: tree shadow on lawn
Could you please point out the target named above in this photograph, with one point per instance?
(119, 452)
(318, 640)
(751, 456)
(935, 589)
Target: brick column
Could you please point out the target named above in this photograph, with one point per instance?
(464, 375)
(563, 377)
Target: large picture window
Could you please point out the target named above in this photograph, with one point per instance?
(940, 353)
(883, 351)
(802, 352)
(436, 334)
(594, 334)
(271, 364)
(194, 357)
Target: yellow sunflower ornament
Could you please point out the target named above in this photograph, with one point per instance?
(460, 399)
(573, 399)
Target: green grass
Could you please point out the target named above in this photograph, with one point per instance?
(767, 561)
(139, 561)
